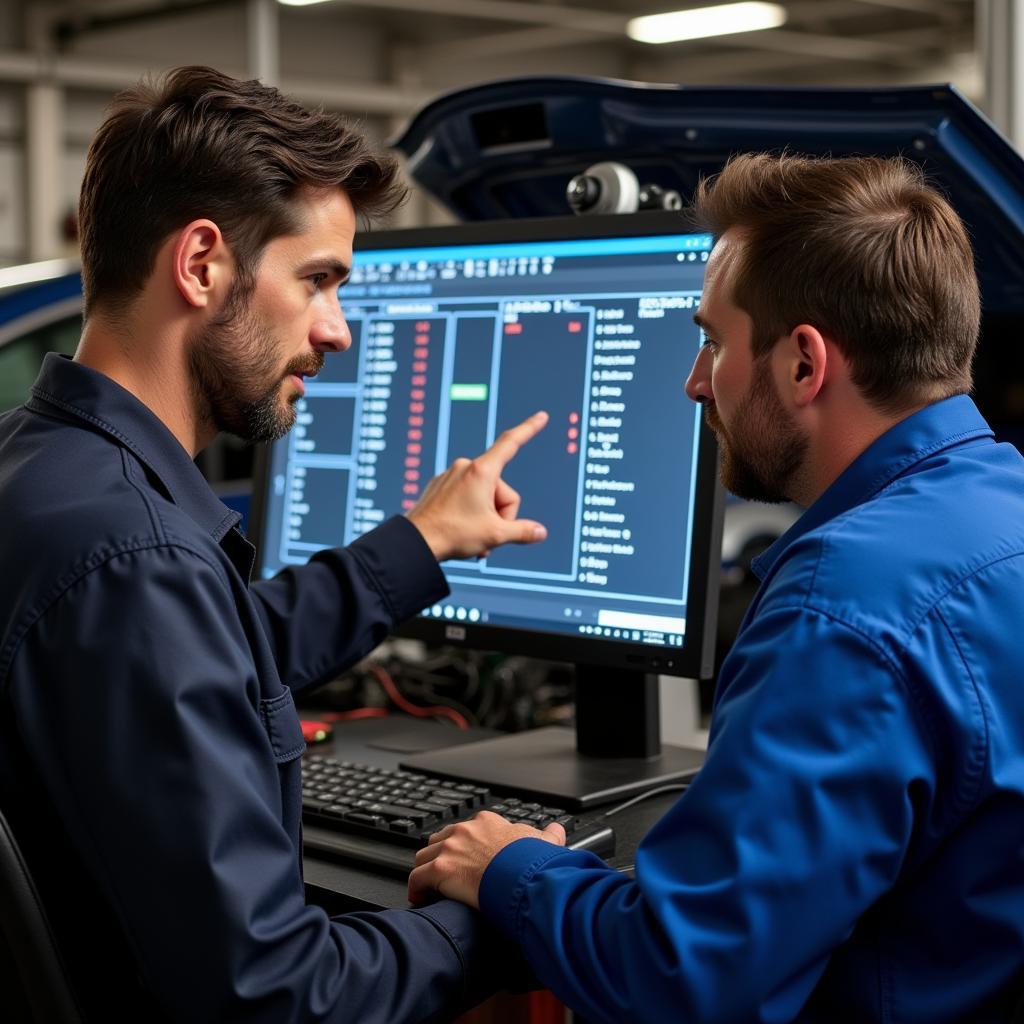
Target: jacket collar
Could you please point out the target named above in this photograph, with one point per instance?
(944, 425)
(81, 393)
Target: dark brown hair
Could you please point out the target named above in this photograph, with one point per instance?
(197, 143)
(863, 249)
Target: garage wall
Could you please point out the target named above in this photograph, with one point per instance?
(377, 65)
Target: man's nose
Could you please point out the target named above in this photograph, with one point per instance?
(330, 331)
(698, 384)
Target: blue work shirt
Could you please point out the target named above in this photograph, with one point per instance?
(149, 745)
(853, 848)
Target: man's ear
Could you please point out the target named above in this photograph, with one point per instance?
(201, 264)
(805, 363)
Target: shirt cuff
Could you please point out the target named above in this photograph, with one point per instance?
(397, 556)
(489, 962)
(505, 879)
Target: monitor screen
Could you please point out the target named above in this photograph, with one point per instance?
(461, 331)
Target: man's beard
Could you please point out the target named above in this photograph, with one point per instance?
(763, 449)
(236, 379)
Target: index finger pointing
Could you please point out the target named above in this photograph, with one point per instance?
(505, 447)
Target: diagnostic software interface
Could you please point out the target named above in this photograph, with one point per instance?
(451, 345)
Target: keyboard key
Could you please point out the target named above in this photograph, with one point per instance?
(449, 796)
(441, 810)
(395, 811)
(362, 818)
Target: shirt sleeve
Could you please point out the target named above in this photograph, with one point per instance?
(798, 821)
(324, 616)
(136, 696)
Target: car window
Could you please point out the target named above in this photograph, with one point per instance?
(21, 358)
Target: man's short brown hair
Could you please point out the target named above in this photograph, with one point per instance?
(863, 249)
(198, 143)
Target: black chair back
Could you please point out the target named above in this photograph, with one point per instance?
(42, 991)
(1018, 1012)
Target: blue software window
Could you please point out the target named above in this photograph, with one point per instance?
(453, 343)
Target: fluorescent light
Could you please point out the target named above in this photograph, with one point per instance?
(701, 22)
(301, 3)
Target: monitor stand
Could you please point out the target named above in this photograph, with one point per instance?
(616, 752)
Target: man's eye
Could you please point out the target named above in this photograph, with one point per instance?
(317, 279)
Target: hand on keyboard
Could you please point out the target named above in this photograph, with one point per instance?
(404, 807)
(382, 816)
(455, 859)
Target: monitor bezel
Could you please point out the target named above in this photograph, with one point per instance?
(695, 659)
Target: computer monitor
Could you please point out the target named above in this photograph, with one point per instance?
(461, 331)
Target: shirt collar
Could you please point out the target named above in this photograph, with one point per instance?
(946, 424)
(81, 392)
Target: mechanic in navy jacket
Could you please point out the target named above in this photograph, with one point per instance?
(149, 744)
(852, 848)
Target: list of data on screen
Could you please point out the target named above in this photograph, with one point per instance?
(451, 346)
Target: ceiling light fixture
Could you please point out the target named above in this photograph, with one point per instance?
(702, 22)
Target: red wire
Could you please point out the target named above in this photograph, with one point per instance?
(347, 716)
(396, 697)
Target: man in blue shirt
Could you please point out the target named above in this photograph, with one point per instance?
(149, 744)
(852, 847)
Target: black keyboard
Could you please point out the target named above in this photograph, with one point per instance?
(382, 816)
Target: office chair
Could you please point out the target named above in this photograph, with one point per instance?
(42, 988)
(1018, 1011)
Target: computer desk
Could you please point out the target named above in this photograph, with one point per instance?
(339, 886)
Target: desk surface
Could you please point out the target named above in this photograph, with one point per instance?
(340, 885)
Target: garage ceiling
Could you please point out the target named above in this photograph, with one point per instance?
(824, 41)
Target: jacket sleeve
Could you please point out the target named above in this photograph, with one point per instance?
(136, 694)
(324, 616)
(798, 821)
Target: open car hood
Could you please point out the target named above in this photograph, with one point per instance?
(508, 148)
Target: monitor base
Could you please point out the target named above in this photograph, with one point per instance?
(544, 764)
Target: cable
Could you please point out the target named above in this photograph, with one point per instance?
(473, 675)
(433, 682)
(355, 713)
(675, 787)
(427, 687)
(437, 711)
(427, 693)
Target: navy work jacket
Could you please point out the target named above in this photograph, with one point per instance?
(149, 745)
